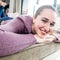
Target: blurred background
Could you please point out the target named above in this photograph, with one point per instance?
(28, 7)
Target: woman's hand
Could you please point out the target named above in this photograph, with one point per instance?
(45, 39)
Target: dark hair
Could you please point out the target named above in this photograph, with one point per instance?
(40, 9)
(6, 7)
(3, 1)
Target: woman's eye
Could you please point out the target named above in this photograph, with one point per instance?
(44, 20)
(52, 24)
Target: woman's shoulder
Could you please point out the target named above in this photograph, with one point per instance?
(25, 18)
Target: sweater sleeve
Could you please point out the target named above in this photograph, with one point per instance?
(57, 35)
(15, 25)
(11, 42)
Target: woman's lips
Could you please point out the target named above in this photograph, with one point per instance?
(43, 31)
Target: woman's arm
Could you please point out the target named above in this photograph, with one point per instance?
(11, 42)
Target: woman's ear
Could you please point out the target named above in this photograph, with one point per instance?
(34, 20)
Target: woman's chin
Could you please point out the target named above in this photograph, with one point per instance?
(42, 35)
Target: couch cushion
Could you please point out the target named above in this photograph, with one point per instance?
(34, 52)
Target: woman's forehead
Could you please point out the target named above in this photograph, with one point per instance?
(48, 13)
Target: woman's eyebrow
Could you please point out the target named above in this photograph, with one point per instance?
(48, 19)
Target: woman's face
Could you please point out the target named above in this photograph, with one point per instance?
(44, 22)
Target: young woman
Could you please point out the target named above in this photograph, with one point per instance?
(24, 31)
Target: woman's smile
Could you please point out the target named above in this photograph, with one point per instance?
(43, 31)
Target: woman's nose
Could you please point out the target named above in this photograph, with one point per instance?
(47, 27)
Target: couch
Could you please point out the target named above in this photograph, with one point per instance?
(34, 52)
